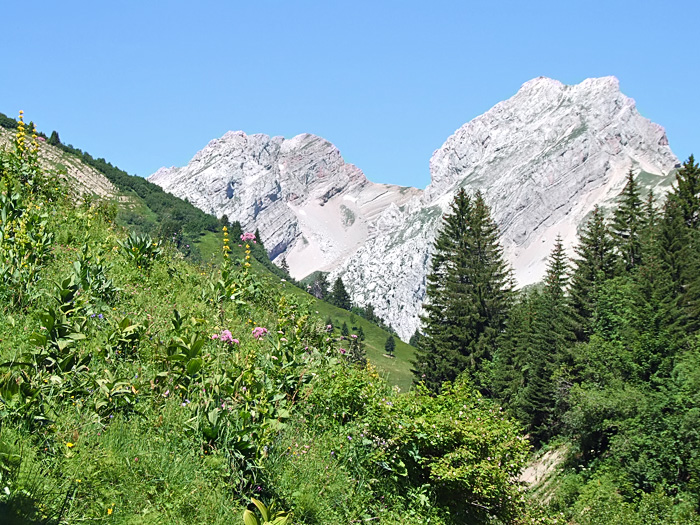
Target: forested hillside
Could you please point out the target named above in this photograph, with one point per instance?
(602, 359)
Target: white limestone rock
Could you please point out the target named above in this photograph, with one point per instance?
(543, 159)
(309, 205)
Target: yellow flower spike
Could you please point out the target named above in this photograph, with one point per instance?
(70, 445)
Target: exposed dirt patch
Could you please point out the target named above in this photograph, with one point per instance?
(539, 475)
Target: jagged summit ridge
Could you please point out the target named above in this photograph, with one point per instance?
(543, 159)
(309, 204)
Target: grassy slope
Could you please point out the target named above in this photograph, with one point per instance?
(140, 451)
(134, 211)
(396, 370)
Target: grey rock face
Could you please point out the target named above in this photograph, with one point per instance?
(309, 205)
(543, 159)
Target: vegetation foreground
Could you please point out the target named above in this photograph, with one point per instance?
(139, 387)
(136, 387)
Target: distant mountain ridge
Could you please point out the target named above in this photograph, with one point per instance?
(309, 205)
(543, 159)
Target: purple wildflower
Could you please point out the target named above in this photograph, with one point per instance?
(226, 337)
(248, 237)
(259, 332)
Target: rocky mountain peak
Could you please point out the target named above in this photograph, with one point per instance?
(308, 203)
(543, 159)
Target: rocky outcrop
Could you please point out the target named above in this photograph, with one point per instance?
(310, 206)
(543, 159)
(83, 178)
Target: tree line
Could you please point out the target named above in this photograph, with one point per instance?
(603, 353)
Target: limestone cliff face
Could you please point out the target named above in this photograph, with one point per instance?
(543, 159)
(309, 205)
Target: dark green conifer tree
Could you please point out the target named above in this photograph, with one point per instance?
(319, 288)
(508, 370)
(687, 192)
(679, 247)
(339, 296)
(415, 338)
(549, 342)
(390, 345)
(369, 312)
(677, 250)
(649, 227)
(595, 263)
(284, 266)
(627, 223)
(235, 231)
(469, 293)
(54, 139)
(344, 329)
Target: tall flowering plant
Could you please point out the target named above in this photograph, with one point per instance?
(247, 238)
(236, 284)
(25, 236)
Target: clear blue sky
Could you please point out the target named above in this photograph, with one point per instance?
(146, 84)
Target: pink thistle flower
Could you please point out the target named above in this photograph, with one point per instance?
(226, 337)
(248, 237)
(259, 332)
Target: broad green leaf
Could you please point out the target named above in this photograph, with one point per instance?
(249, 518)
(194, 366)
(262, 508)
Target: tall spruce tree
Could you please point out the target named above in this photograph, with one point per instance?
(595, 263)
(627, 224)
(509, 363)
(687, 192)
(284, 266)
(339, 296)
(649, 227)
(390, 345)
(469, 293)
(319, 288)
(677, 247)
(550, 340)
(54, 139)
